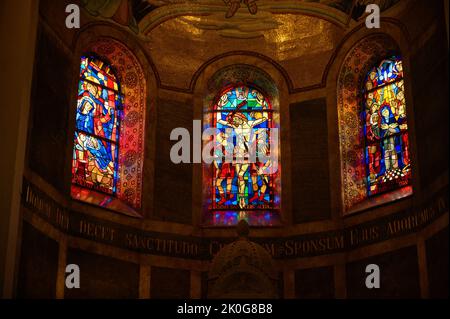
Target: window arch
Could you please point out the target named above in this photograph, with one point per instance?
(110, 109)
(97, 128)
(371, 73)
(242, 187)
(387, 155)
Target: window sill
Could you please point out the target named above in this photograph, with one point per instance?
(226, 219)
(102, 200)
(380, 200)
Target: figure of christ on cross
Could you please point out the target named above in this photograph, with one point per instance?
(243, 129)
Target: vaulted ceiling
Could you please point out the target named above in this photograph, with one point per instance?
(181, 35)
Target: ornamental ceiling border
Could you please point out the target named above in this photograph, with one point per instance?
(190, 89)
(204, 8)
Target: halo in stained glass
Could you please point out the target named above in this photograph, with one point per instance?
(389, 70)
(97, 71)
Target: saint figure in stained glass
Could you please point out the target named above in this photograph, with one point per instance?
(385, 128)
(95, 154)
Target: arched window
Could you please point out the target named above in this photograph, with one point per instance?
(97, 130)
(245, 170)
(387, 155)
(108, 152)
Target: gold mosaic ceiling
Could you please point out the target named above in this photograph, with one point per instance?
(181, 35)
(299, 43)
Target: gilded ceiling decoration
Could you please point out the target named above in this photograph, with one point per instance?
(249, 26)
(234, 5)
(141, 16)
(302, 45)
(299, 35)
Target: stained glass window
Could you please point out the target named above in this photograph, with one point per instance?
(244, 185)
(387, 154)
(96, 140)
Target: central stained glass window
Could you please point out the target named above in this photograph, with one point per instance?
(96, 140)
(244, 186)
